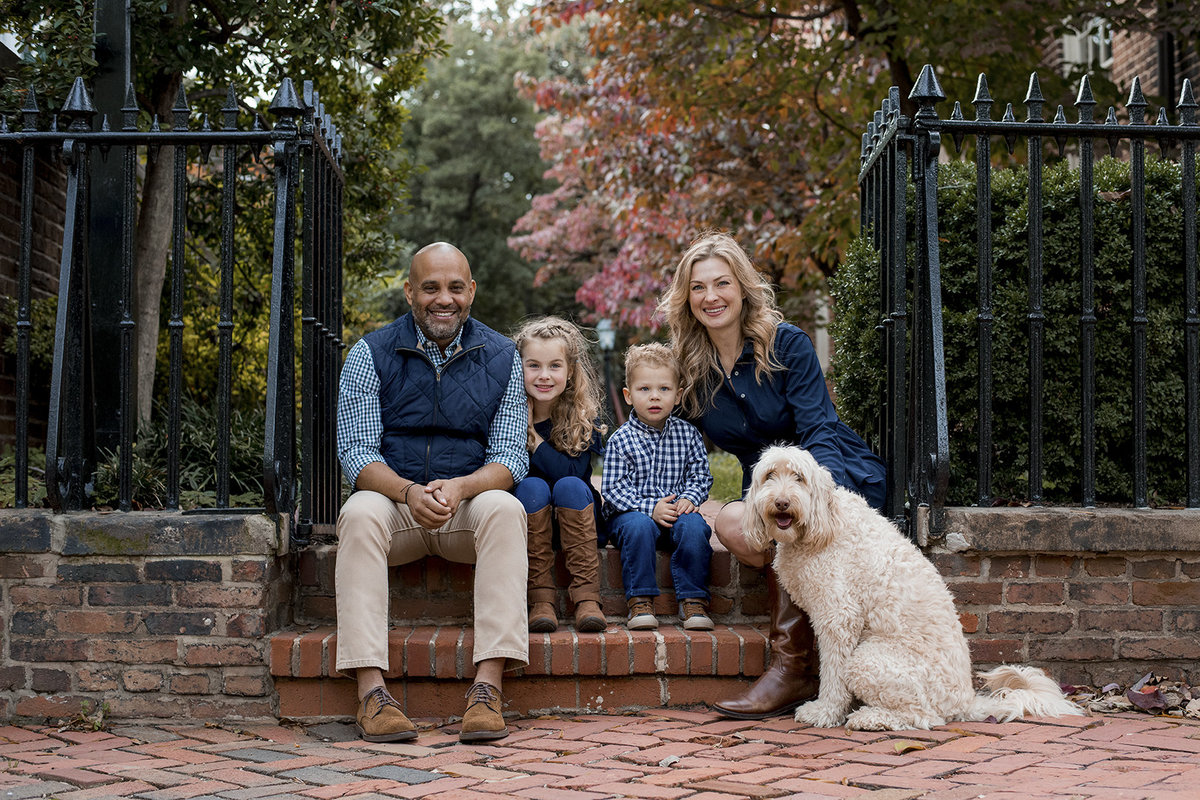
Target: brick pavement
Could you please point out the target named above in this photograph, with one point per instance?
(662, 753)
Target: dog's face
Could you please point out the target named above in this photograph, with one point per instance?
(790, 500)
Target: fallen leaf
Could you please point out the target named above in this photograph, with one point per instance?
(1151, 700)
(903, 746)
(669, 761)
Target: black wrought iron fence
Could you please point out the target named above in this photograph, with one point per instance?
(305, 150)
(899, 176)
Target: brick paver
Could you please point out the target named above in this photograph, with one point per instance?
(670, 754)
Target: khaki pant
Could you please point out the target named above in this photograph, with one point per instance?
(374, 533)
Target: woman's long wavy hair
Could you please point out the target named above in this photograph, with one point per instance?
(700, 367)
(576, 411)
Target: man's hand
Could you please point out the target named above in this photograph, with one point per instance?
(665, 511)
(448, 492)
(429, 511)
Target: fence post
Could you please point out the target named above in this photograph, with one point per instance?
(279, 446)
(66, 474)
(930, 473)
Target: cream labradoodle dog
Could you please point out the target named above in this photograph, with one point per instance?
(888, 637)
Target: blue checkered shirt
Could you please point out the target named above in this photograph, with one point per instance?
(360, 424)
(643, 465)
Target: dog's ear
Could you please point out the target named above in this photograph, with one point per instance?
(754, 527)
(825, 516)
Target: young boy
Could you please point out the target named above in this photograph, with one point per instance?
(655, 477)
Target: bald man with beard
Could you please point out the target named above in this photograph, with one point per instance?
(432, 421)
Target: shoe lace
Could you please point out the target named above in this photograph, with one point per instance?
(639, 607)
(692, 608)
(482, 693)
(381, 698)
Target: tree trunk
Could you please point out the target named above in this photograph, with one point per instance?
(153, 244)
(153, 235)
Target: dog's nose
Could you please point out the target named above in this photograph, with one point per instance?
(782, 505)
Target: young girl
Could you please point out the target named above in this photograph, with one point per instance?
(564, 403)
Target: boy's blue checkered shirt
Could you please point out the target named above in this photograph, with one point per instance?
(642, 465)
(360, 424)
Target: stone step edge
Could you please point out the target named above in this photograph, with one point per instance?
(444, 651)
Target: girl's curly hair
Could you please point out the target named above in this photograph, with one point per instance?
(576, 411)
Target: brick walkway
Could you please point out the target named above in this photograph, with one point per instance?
(654, 754)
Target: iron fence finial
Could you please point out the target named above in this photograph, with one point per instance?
(230, 109)
(1187, 104)
(927, 92)
(1009, 139)
(983, 99)
(957, 114)
(29, 111)
(1137, 102)
(1084, 101)
(129, 111)
(1033, 99)
(286, 104)
(180, 112)
(79, 107)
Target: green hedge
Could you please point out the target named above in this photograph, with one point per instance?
(858, 369)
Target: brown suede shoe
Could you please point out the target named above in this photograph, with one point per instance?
(588, 617)
(542, 618)
(380, 719)
(482, 721)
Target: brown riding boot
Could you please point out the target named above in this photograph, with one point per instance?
(542, 618)
(577, 532)
(791, 677)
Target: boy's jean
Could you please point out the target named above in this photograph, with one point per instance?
(639, 536)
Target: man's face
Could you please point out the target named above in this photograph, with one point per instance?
(440, 290)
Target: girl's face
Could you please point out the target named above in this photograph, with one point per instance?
(714, 296)
(546, 369)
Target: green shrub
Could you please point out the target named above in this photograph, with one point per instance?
(197, 461)
(858, 369)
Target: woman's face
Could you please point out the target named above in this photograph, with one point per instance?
(714, 295)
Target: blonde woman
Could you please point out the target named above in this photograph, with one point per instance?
(564, 405)
(752, 380)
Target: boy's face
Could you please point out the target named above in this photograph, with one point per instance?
(652, 391)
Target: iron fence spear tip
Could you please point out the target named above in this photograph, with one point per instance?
(927, 87)
(31, 106)
(286, 101)
(1084, 97)
(78, 101)
(1136, 98)
(1186, 98)
(981, 91)
(181, 103)
(1034, 95)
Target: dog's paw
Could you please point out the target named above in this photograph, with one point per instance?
(820, 715)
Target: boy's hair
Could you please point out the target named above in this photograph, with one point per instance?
(654, 354)
(575, 415)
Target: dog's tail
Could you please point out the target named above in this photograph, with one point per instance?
(1010, 692)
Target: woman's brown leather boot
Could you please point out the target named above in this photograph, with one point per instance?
(542, 617)
(577, 533)
(791, 677)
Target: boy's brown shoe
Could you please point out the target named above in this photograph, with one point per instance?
(380, 719)
(482, 721)
(641, 614)
(693, 613)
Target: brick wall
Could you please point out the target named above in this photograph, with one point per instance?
(1105, 596)
(48, 215)
(159, 615)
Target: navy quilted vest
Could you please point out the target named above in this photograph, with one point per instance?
(437, 426)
